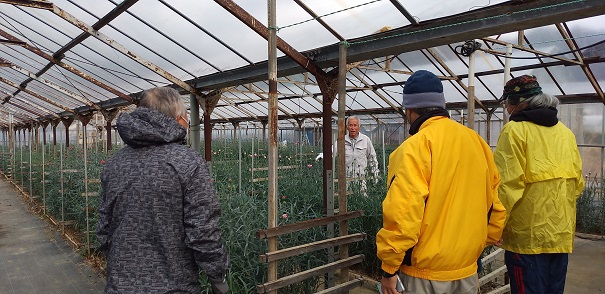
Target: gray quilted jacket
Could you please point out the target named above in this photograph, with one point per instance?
(158, 212)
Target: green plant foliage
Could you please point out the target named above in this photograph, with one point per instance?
(58, 184)
(590, 209)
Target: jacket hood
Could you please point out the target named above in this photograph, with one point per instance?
(148, 127)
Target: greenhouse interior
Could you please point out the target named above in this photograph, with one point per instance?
(268, 87)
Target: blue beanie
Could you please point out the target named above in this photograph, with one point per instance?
(423, 89)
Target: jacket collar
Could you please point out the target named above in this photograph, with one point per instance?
(419, 122)
(541, 116)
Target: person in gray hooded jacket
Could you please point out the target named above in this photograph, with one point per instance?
(158, 211)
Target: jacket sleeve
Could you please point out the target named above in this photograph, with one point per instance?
(201, 218)
(579, 177)
(403, 206)
(106, 204)
(511, 160)
(497, 215)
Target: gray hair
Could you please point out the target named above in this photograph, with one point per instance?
(353, 117)
(165, 100)
(543, 100)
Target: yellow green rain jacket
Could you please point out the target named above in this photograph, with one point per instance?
(541, 179)
(442, 183)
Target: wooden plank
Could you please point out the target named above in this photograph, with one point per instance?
(301, 276)
(91, 194)
(68, 222)
(501, 290)
(492, 275)
(349, 192)
(262, 179)
(344, 287)
(70, 171)
(355, 179)
(272, 232)
(314, 246)
(492, 256)
(93, 181)
(279, 167)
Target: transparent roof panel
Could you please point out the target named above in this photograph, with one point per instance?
(20, 56)
(355, 18)
(77, 8)
(69, 80)
(200, 39)
(425, 10)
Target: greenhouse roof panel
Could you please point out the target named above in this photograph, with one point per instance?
(99, 54)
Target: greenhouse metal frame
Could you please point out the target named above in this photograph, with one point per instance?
(290, 67)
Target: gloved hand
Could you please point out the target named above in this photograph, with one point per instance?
(219, 287)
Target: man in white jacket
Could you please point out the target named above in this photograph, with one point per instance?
(360, 156)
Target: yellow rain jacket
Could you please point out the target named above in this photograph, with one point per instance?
(541, 179)
(442, 183)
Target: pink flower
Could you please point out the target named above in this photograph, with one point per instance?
(212, 180)
(309, 165)
(285, 215)
(103, 161)
(283, 196)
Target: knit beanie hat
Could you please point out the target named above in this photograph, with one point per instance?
(423, 89)
(520, 89)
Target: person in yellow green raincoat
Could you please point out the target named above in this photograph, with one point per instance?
(442, 206)
(541, 171)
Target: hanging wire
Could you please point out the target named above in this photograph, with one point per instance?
(327, 14)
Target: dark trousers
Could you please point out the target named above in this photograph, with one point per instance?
(536, 273)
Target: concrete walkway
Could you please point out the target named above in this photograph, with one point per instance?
(586, 269)
(34, 258)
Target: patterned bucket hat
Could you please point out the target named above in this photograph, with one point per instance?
(520, 89)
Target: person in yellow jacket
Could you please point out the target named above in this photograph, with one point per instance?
(541, 172)
(442, 208)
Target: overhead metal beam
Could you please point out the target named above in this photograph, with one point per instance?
(93, 31)
(30, 3)
(9, 42)
(319, 20)
(35, 95)
(119, 47)
(54, 86)
(24, 116)
(573, 46)
(301, 60)
(36, 113)
(404, 11)
(493, 20)
(57, 56)
(97, 26)
(526, 49)
(118, 102)
(565, 99)
(69, 68)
